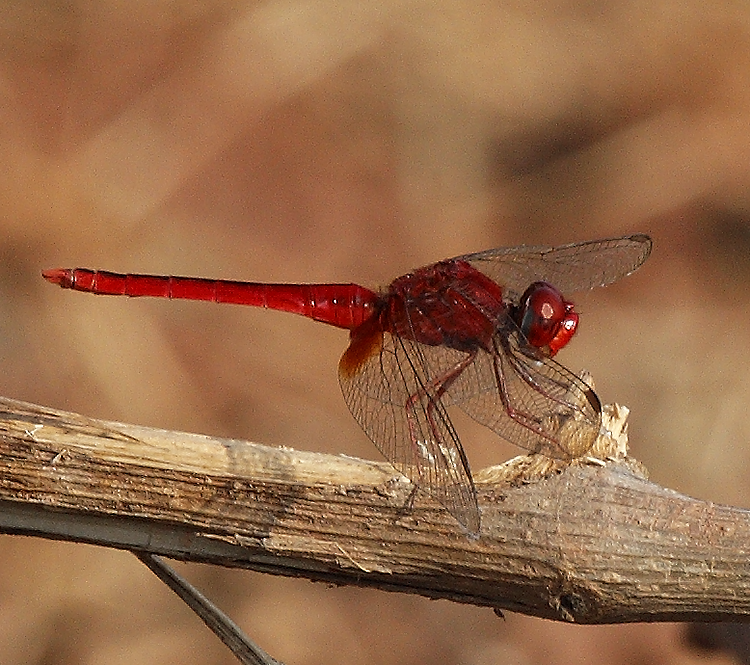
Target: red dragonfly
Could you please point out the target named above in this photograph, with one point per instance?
(478, 331)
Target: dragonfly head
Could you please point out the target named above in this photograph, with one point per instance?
(546, 319)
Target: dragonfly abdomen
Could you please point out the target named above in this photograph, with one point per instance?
(341, 305)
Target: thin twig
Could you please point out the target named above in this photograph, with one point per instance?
(247, 652)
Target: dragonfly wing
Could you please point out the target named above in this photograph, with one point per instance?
(569, 268)
(394, 394)
(533, 402)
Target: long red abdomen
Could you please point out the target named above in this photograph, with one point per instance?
(342, 305)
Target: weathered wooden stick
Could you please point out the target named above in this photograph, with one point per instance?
(589, 543)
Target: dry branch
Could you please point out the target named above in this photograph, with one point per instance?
(590, 543)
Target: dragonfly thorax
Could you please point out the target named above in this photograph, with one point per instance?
(448, 304)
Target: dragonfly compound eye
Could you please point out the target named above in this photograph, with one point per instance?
(543, 310)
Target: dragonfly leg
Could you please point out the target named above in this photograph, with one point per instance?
(432, 393)
(523, 418)
(549, 425)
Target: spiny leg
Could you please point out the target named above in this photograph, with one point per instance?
(439, 385)
(522, 418)
(547, 425)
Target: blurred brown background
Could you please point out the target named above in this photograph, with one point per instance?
(348, 141)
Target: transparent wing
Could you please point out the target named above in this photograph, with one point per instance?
(574, 267)
(394, 394)
(532, 402)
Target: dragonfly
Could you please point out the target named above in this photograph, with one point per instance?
(478, 331)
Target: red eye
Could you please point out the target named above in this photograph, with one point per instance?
(546, 319)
